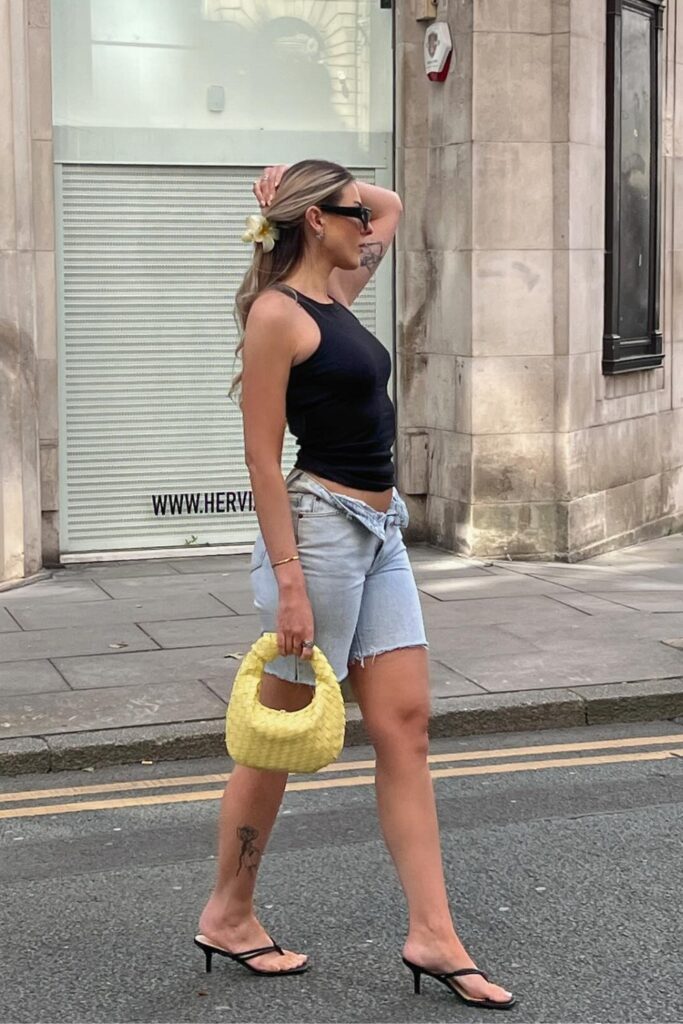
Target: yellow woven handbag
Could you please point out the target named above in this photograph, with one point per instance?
(289, 741)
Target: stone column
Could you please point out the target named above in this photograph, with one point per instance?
(28, 392)
(476, 347)
(434, 268)
(512, 366)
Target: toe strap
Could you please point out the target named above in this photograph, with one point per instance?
(249, 954)
(463, 971)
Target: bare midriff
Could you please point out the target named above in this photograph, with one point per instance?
(379, 500)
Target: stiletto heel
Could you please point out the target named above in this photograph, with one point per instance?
(241, 958)
(416, 975)
(447, 979)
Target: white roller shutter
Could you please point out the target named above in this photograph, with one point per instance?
(151, 258)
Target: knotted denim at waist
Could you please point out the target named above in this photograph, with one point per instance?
(299, 482)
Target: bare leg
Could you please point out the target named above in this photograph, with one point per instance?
(248, 811)
(393, 693)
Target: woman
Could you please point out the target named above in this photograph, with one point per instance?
(330, 566)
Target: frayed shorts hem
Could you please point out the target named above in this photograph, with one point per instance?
(291, 669)
(359, 659)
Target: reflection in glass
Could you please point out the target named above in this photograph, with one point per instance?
(636, 141)
(302, 65)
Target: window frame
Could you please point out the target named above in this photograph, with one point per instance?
(624, 355)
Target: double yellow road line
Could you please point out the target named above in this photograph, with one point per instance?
(344, 773)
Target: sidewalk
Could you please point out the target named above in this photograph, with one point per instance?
(117, 662)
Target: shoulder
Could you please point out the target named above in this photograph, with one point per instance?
(271, 308)
(273, 323)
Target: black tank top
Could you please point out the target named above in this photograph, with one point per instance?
(338, 408)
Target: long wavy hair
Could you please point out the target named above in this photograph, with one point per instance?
(303, 185)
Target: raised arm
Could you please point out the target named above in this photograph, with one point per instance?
(386, 206)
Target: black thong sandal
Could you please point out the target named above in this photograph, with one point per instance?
(248, 954)
(446, 979)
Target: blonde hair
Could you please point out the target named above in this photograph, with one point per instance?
(303, 185)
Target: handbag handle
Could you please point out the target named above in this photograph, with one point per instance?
(266, 649)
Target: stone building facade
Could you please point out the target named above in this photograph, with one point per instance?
(516, 437)
(514, 441)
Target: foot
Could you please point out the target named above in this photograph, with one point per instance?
(443, 956)
(238, 937)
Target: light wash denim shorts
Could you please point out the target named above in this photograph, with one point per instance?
(358, 578)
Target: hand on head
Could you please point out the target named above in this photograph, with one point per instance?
(265, 188)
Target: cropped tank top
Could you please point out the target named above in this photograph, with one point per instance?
(338, 408)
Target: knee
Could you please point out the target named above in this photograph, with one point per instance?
(402, 735)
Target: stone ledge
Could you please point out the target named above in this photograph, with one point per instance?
(451, 716)
(633, 702)
(172, 742)
(24, 756)
(42, 574)
(506, 712)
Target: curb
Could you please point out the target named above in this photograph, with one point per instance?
(643, 701)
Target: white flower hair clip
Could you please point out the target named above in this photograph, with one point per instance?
(260, 231)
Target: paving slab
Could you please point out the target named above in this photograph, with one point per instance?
(171, 666)
(657, 600)
(7, 623)
(488, 586)
(447, 682)
(592, 604)
(116, 570)
(240, 601)
(29, 677)
(590, 631)
(576, 571)
(44, 615)
(447, 642)
(624, 663)
(436, 570)
(649, 551)
(54, 590)
(154, 587)
(666, 573)
(625, 584)
(676, 642)
(426, 552)
(230, 629)
(210, 563)
(487, 611)
(221, 685)
(111, 708)
(49, 643)
(559, 572)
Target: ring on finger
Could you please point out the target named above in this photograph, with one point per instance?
(308, 644)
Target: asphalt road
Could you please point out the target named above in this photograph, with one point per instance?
(563, 865)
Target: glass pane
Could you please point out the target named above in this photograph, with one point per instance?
(301, 65)
(636, 200)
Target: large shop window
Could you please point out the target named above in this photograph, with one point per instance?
(633, 340)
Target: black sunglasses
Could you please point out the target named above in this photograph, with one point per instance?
(361, 213)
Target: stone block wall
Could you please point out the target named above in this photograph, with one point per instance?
(28, 357)
(532, 451)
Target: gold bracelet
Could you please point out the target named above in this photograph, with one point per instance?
(294, 558)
